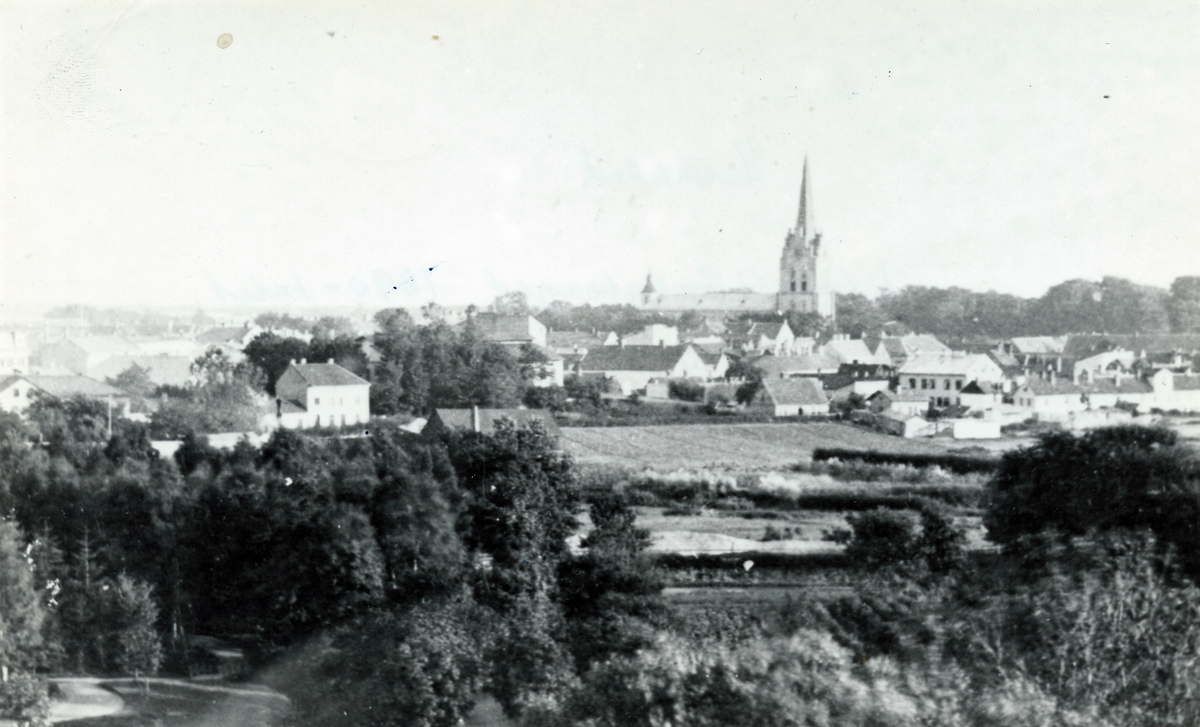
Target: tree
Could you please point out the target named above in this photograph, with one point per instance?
(1183, 304)
(21, 612)
(329, 327)
(134, 380)
(857, 314)
(272, 355)
(522, 501)
(420, 668)
(511, 304)
(1116, 477)
(139, 648)
(610, 592)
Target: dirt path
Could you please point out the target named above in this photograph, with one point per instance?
(83, 698)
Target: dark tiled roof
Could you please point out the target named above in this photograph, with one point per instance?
(292, 406)
(1184, 382)
(708, 356)
(65, 386)
(806, 391)
(1082, 346)
(1059, 387)
(496, 327)
(1129, 385)
(461, 418)
(216, 336)
(327, 374)
(632, 358)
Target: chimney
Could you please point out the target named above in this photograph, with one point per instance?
(292, 362)
(1117, 379)
(1052, 376)
(303, 361)
(475, 418)
(1058, 364)
(329, 361)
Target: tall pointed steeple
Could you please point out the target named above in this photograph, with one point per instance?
(802, 218)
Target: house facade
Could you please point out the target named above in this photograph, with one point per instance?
(793, 397)
(940, 378)
(18, 391)
(632, 367)
(320, 395)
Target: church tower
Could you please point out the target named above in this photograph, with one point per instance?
(798, 267)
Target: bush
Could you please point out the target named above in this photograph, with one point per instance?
(685, 390)
(958, 463)
(1115, 477)
(25, 700)
(882, 536)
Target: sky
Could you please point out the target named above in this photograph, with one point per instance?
(383, 153)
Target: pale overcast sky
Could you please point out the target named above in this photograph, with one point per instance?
(379, 153)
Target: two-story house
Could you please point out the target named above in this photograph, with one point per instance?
(320, 395)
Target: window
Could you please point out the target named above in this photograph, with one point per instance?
(947, 384)
(958, 385)
(16, 393)
(912, 383)
(804, 286)
(316, 402)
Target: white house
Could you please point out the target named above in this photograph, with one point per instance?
(14, 351)
(655, 334)
(846, 350)
(900, 402)
(788, 367)
(509, 329)
(794, 397)
(320, 395)
(632, 367)
(1051, 399)
(17, 391)
(941, 377)
(82, 355)
(1176, 391)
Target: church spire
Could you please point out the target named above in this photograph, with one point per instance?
(802, 218)
(649, 288)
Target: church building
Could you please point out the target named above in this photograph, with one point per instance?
(799, 279)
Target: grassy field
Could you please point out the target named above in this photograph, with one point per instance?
(730, 446)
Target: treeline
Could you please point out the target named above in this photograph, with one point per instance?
(397, 579)
(1112, 305)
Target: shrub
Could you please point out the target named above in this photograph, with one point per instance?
(24, 699)
(685, 390)
(882, 536)
(958, 463)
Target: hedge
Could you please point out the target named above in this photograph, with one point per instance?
(959, 463)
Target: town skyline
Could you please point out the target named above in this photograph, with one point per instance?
(382, 157)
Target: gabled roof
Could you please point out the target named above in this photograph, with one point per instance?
(805, 391)
(944, 365)
(708, 356)
(770, 330)
(849, 350)
(1039, 344)
(173, 370)
(327, 374)
(113, 345)
(574, 339)
(1128, 385)
(66, 386)
(633, 358)
(977, 388)
(902, 395)
(499, 327)
(224, 334)
(1058, 387)
(461, 418)
(1084, 345)
(1184, 382)
(776, 366)
(722, 301)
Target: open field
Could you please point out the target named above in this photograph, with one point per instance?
(736, 446)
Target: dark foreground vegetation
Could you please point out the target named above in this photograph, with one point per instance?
(387, 580)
